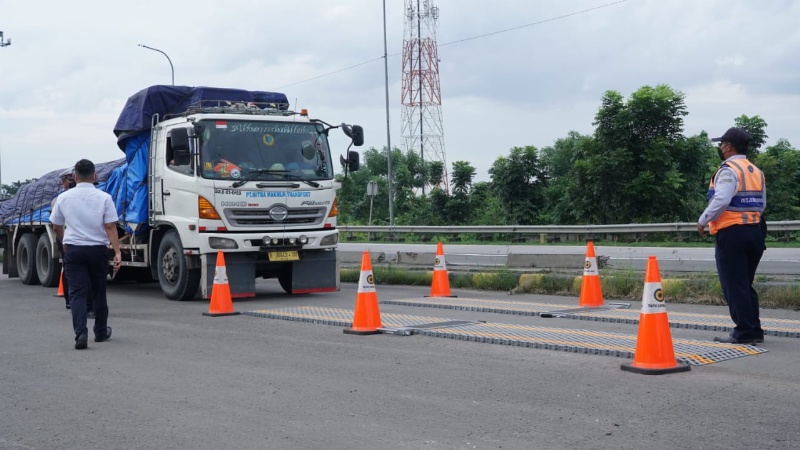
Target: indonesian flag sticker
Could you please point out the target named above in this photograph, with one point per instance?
(222, 124)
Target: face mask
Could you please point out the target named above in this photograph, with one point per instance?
(719, 152)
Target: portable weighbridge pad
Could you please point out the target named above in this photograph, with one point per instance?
(692, 352)
(772, 327)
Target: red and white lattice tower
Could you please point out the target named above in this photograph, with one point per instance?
(422, 96)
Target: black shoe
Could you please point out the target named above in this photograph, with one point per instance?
(67, 305)
(733, 340)
(104, 337)
(80, 342)
(90, 315)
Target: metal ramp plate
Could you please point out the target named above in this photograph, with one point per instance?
(339, 317)
(772, 327)
(575, 341)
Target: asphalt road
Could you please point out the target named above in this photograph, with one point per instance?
(171, 378)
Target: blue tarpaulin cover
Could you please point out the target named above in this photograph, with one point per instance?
(126, 179)
(31, 204)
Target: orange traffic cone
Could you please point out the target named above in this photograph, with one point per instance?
(440, 286)
(221, 303)
(591, 292)
(654, 353)
(367, 316)
(60, 292)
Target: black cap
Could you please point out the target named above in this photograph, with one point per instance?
(736, 135)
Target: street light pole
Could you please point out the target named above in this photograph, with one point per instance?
(388, 127)
(170, 61)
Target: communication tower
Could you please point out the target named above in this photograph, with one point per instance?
(421, 93)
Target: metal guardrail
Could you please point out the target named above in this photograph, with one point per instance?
(569, 230)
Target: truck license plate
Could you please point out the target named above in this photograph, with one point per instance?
(284, 256)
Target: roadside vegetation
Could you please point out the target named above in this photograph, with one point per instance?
(638, 166)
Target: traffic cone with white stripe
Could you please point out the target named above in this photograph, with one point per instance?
(440, 286)
(221, 302)
(654, 352)
(60, 292)
(591, 291)
(367, 316)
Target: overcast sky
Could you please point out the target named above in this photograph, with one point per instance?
(73, 64)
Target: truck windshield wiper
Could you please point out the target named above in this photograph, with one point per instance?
(239, 183)
(286, 175)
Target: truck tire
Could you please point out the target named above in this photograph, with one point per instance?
(178, 282)
(48, 269)
(26, 259)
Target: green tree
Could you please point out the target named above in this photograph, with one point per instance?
(436, 173)
(566, 201)
(781, 166)
(755, 127)
(639, 167)
(518, 182)
(487, 208)
(463, 174)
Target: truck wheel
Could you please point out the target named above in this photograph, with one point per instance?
(26, 259)
(48, 269)
(177, 281)
(285, 279)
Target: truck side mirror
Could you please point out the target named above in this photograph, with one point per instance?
(358, 136)
(353, 160)
(181, 157)
(355, 132)
(179, 138)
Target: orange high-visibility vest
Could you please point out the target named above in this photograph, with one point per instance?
(748, 201)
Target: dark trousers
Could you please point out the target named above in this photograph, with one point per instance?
(738, 252)
(65, 285)
(86, 272)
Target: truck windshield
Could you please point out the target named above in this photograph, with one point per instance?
(255, 150)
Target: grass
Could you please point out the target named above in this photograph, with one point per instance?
(615, 284)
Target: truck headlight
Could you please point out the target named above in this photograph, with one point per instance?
(222, 243)
(330, 239)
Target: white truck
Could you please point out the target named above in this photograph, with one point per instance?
(211, 170)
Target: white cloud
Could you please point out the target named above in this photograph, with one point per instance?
(70, 70)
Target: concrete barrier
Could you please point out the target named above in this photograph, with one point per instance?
(520, 261)
(464, 261)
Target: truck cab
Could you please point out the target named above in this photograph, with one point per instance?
(255, 183)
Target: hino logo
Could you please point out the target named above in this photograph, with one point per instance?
(278, 213)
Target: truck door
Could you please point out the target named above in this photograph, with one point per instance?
(177, 190)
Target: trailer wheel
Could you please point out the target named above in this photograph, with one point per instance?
(26, 259)
(48, 269)
(285, 279)
(177, 281)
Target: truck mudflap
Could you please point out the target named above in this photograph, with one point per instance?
(315, 272)
(241, 271)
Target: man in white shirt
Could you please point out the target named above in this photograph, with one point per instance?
(85, 220)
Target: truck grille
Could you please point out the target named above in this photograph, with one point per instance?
(260, 217)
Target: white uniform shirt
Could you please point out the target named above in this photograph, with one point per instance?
(84, 211)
